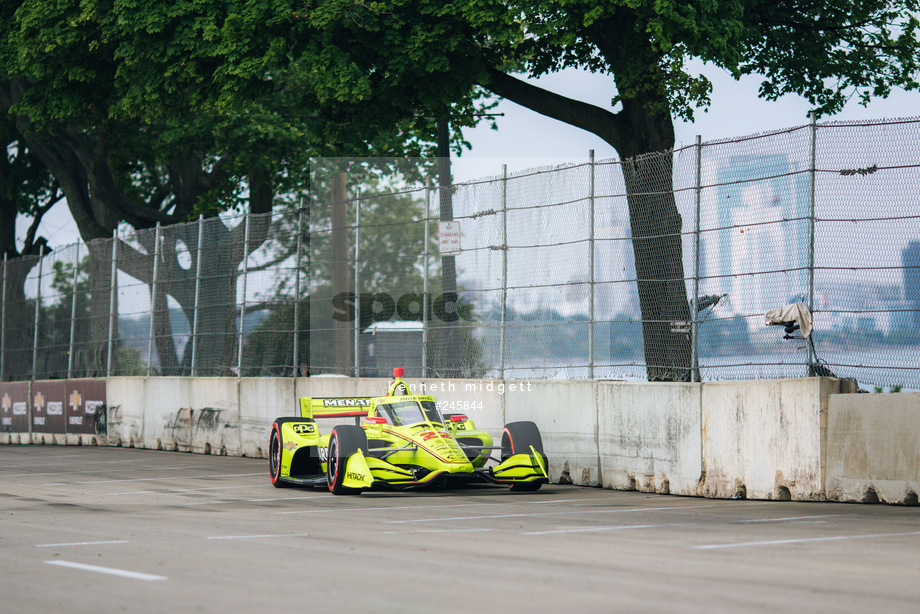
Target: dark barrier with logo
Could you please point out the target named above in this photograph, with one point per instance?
(75, 406)
(14, 407)
(85, 406)
(48, 399)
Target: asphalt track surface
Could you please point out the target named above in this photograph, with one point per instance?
(87, 529)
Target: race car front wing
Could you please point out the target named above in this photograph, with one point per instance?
(368, 471)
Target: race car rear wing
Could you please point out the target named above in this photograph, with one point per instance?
(335, 407)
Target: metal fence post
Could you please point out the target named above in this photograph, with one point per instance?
(811, 234)
(73, 311)
(3, 320)
(592, 267)
(425, 279)
(501, 335)
(357, 292)
(113, 293)
(694, 322)
(194, 371)
(153, 296)
(297, 295)
(239, 353)
(38, 302)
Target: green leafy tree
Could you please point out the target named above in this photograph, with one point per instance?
(157, 112)
(61, 86)
(417, 56)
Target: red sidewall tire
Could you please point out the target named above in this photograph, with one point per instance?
(517, 438)
(274, 456)
(333, 480)
(344, 441)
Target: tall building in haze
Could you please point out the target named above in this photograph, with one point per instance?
(754, 243)
(910, 260)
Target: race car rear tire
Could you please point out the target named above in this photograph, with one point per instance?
(517, 438)
(344, 440)
(274, 455)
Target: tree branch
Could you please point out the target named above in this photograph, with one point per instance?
(30, 240)
(600, 122)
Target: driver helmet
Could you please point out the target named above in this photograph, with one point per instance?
(398, 387)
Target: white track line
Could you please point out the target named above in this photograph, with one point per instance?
(94, 471)
(171, 467)
(383, 509)
(172, 490)
(439, 531)
(640, 509)
(108, 570)
(788, 518)
(257, 536)
(427, 507)
(804, 540)
(120, 541)
(613, 528)
(178, 477)
(90, 471)
(376, 509)
(248, 500)
(57, 464)
(677, 524)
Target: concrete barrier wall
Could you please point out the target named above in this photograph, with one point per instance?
(873, 448)
(773, 439)
(175, 413)
(262, 399)
(649, 436)
(566, 414)
(763, 439)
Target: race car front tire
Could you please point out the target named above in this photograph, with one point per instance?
(274, 455)
(517, 438)
(344, 440)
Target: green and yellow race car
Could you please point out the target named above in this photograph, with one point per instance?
(402, 442)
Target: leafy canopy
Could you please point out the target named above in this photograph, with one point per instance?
(419, 54)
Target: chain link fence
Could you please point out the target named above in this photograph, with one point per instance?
(661, 267)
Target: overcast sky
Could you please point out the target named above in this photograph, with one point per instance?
(526, 139)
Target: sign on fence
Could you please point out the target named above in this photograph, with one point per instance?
(449, 238)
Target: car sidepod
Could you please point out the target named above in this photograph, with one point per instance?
(476, 444)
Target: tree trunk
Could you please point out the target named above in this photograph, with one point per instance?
(222, 251)
(450, 345)
(644, 139)
(217, 293)
(656, 237)
(100, 284)
(645, 142)
(19, 323)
